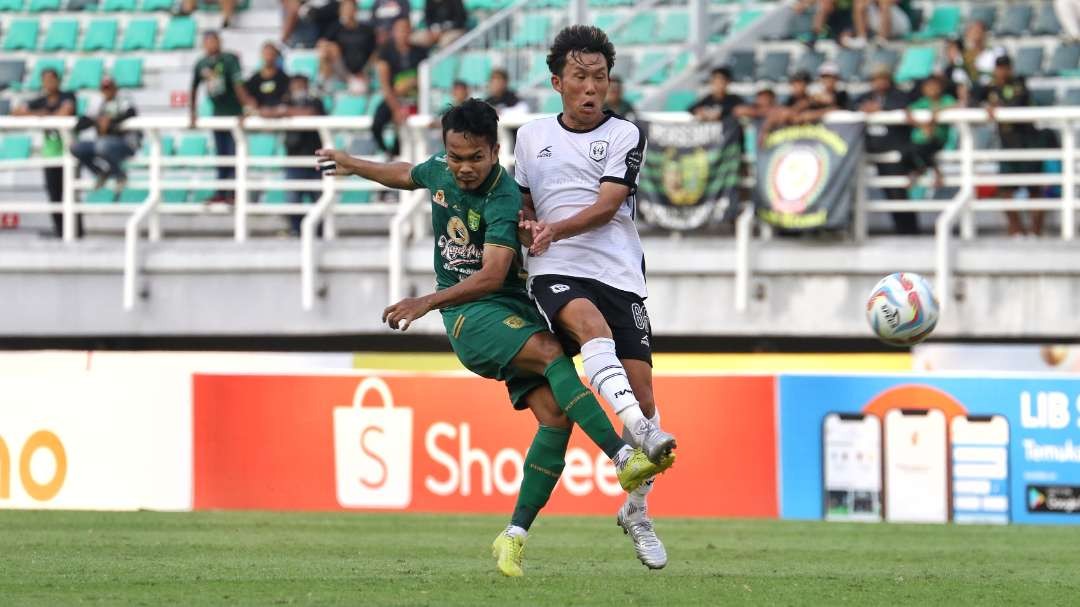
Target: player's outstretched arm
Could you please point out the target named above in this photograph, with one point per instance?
(492, 274)
(396, 175)
(612, 196)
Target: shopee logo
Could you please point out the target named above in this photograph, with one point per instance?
(40, 491)
(373, 451)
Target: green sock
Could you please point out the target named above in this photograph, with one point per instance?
(543, 464)
(581, 407)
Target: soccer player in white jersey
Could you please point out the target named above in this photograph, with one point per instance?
(578, 172)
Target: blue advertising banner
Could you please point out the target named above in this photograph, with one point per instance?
(1040, 430)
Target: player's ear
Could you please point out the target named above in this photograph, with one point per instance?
(556, 83)
(495, 150)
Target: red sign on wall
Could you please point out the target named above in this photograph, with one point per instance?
(454, 444)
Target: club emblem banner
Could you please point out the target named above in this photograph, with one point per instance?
(691, 174)
(806, 175)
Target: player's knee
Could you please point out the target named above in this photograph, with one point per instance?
(547, 348)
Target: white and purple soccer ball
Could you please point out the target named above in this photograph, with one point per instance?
(902, 309)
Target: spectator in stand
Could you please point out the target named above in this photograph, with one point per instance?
(319, 15)
(831, 96)
(396, 65)
(1008, 90)
(886, 18)
(384, 14)
(884, 96)
(764, 104)
(928, 138)
(978, 57)
(53, 102)
(459, 93)
(1068, 14)
(228, 10)
(719, 103)
(954, 73)
(616, 102)
(502, 97)
(349, 45)
(332, 77)
(833, 18)
(446, 21)
(104, 157)
(791, 111)
(300, 102)
(267, 88)
(220, 71)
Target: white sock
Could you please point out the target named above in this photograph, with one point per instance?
(637, 497)
(607, 376)
(516, 531)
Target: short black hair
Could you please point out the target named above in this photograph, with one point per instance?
(577, 40)
(458, 83)
(473, 117)
(501, 73)
(299, 76)
(722, 70)
(1003, 61)
(52, 71)
(801, 76)
(767, 92)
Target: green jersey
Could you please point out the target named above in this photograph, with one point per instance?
(465, 221)
(221, 73)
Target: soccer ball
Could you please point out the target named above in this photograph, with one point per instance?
(902, 309)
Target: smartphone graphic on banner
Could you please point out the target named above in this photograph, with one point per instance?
(852, 467)
(980, 468)
(916, 482)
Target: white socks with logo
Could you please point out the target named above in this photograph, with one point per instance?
(607, 376)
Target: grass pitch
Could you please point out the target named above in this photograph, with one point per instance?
(64, 558)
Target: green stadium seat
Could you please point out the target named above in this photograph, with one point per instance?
(916, 63)
(652, 68)
(349, 105)
(99, 196)
(193, 145)
(373, 103)
(987, 13)
(1066, 58)
(205, 107)
(174, 196)
(676, 27)
(131, 196)
(100, 36)
(22, 35)
(356, 197)
(11, 6)
(742, 66)
(86, 74)
(606, 21)
(552, 104)
(880, 57)
(263, 145)
(679, 100)
(151, 6)
(533, 31)
(180, 33)
(1047, 24)
(118, 6)
(800, 26)
(1016, 20)
(944, 22)
(475, 69)
(127, 72)
(641, 29)
(41, 6)
(1044, 96)
(809, 62)
(1028, 61)
(61, 36)
(273, 197)
(35, 75)
(12, 73)
(168, 146)
(139, 35)
(774, 67)
(81, 105)
(745, 19)
(307, 65)
(15, 147)
(443, 73)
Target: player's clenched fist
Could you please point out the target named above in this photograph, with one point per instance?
(332, 162)
(401, 314)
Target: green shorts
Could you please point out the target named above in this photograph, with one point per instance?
(487, 334)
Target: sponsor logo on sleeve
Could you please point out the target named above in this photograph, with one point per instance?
(545, 153)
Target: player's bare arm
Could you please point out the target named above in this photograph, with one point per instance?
(394, 175)
(611, 197)
(496, 264)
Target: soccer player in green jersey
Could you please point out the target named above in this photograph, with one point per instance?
(493, 327)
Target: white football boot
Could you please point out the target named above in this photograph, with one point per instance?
(636, 523)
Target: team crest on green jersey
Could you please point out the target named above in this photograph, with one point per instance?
(474, 220)
(514, 321)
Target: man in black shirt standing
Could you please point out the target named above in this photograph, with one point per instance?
(501, 96)
(300, 102)
(397, 66)
(718, 104)
(350, 42)
(268, 87)
(884, 96)
(446, 21)
(53, 102)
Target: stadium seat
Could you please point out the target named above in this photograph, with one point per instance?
(139, 35)
(675, 28)
(849, 61)
(679, 100)
(272, 197)
(81, 105)
(86, 74)
(475, 69)
(118, 6)
(132, 196)
(168, 146)
(1016, 20)
(810, 62)
(61, 36)
(12, 72)
(193, 145)
(41, 6)
(533, 31)
(741, 64)
(917, 63)
(552, 104)
(174, 196)
(1066, 57)
(373, 103)
(307, 65)
(360, 146)
(745, 19)
(355, 197)
(180, 33)
(444, 72)
(987, 13)
(263, 145)
(1046, 24)
(127, 72)
(1072, 97)
(82, 5)
(100, 36)
(1044, 96)
(800, 26)
(641, 29)
(652, 69)
(880, 57)
(35, 75)
(15, 147)
(150, 6)
(99, 196)
(944, 22)
(1028, 61)
(350, 105)
(11, 6)
(774, 67)
(22, 35)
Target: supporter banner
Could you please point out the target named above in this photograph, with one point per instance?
(100, 441)
(982, 449)
(440, 443)
(805, 175)
(691, 173)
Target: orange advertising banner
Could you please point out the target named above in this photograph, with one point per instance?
(453, 443)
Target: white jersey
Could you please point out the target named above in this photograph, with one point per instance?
(562, 168)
